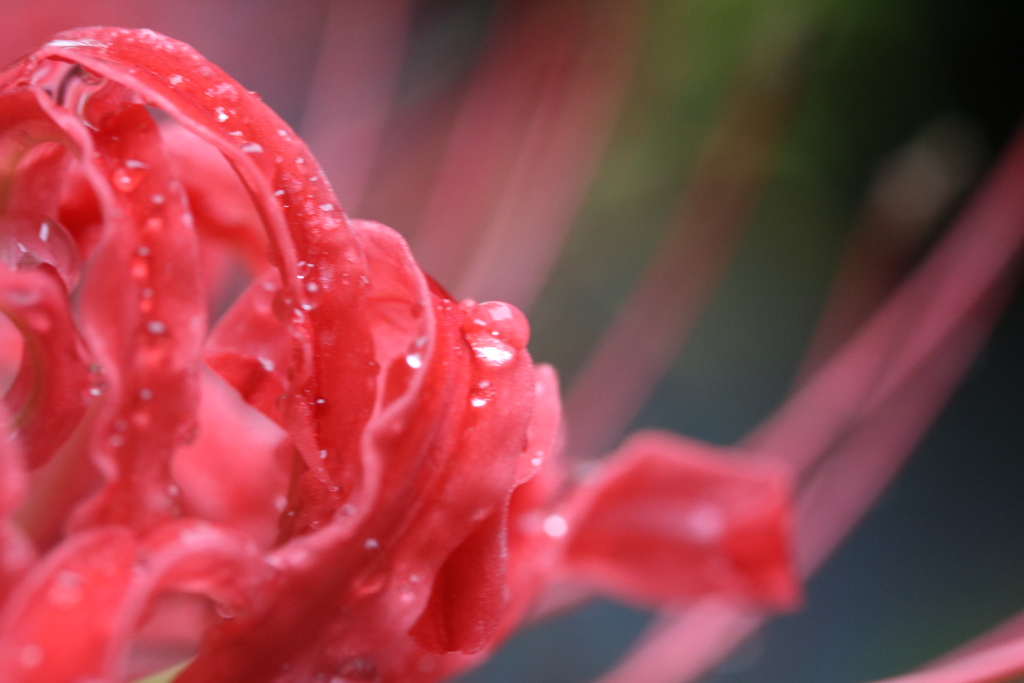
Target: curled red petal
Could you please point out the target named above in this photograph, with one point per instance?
(73, 616)
(50, 394)
(468, 596)
(311, 242)
(250, 347)
(670, 519)
(439, 457)
(231, 474)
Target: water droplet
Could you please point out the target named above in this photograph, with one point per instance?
(135, 163)
(280, 503)
(371, 544)
(252, 148)
(175, 79)
(555, 526)
(302, 269)
(224, 611)
(66, 589)
(320, 401)
(140, 268)
(537, 461)
(323, 455)
(373, 581)
(44, 231)
(126, 179)
(95, 391)
(222, 116)
(358, 669)
(327, 207)
(495, 353)
(478, 402)
(312, 287)
(157, 199)
(414, 361)
(278, 193)
(267, 364)
(31, 655)
(348, 509)
(156, 327)
(499, 320)
(705, 524)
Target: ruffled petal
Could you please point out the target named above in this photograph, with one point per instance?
(52, 389)
(73, 616)
(669, 519)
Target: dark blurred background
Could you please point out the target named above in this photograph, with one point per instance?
(941, 557)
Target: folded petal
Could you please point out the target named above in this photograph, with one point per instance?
(669, 519)
(73, 616)
(52, 389)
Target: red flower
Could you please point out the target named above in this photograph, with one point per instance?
(367, 486)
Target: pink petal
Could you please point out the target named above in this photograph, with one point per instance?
(669, 519)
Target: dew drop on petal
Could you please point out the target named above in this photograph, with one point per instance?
(371, 544)
(495, 353)
(66, 590)
(555, 526)
(31, 656)
(357, 670)
(126, 179)
(705, 524)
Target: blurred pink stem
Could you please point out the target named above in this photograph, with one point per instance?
(526, 145)
(352, 90)
(996, 664)
(867, 408)
(715, 207)
(907, 198)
